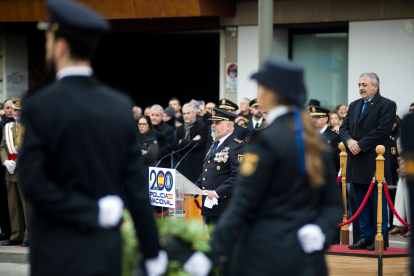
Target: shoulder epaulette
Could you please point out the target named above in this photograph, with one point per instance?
(334, 130)
(238, 141)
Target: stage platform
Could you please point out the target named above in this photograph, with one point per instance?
(343, 261)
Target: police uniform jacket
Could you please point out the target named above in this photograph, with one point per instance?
(192, 164)
(271, 202)
(370, 130)
(67, 164)
(332, 138)
(4, 150)
(242, 132)
(252, 128)
(221, 176)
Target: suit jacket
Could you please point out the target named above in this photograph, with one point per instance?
(221, 176)
(332, 138)
(271, 202)
(79, 149)
(166, 145)
(373, 128)
(4, 150)
(192, 165)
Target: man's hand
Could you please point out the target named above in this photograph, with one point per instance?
(144, 152)
(211, 194)
(198, 137)
(353, 146)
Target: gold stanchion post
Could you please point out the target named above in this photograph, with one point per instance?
(344, 229)
(379, 239)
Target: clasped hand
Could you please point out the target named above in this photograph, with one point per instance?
(353, 146)
(210, 194)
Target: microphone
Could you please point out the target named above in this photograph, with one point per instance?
(185, 155)
(171, 154)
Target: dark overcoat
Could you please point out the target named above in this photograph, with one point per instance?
(80, 148)
(192, 164)
(271, 202)
(373, 128)
(166, 145)
(221, 176)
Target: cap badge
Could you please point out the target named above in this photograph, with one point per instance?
(213, 113)
(313, 110)
(223, 102)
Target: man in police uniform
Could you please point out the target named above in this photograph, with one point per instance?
(257, 119)
(220, 164)
(18, 205)
(320, 119)
(240, 132)
(79, 156)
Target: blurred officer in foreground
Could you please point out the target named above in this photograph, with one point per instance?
(407, 142)
(286, 204)
(79, 155)
(320, 119)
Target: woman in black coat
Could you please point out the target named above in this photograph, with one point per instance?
(286, 205)
(147, 141)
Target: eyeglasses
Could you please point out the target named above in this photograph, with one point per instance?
(143, 124)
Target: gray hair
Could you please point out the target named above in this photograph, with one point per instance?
(374, 78)
(193, 107)
(139, 109)
(7, 101)
(157, 107)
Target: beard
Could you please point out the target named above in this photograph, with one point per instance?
(363, 95)
(214, 133)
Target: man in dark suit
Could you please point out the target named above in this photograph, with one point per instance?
(256, 123)
(320, 118)
(79, 157)
(221, 164)
(368, 124)
(192, 132)
(167, 143)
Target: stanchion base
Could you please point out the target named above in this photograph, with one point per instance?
(345, 237)
(379, 247)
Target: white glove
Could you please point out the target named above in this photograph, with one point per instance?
(10, 165)
(311, 238)
(110, 211)
(198, 264)
(157, 266)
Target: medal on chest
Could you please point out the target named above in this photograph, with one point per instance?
(222, 156)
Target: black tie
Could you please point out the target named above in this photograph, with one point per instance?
(257, 126)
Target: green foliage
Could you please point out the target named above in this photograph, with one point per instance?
(130, 245)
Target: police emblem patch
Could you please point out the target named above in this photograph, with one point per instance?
(249, 164)
(240, 158)
(393, 151)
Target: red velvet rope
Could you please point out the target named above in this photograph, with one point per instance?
(197, 203)
(169, 210)
(338, 180)
(360, 207)
(387, 195)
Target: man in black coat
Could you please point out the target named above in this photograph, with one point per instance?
(4, 208)
(221, 165)
(368, 124)
(192, 132)
(320, 118)
(79, 157)
(167, 144)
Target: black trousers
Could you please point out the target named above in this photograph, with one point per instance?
(4, 210)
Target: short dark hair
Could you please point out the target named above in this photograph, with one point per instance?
(81, 49)
(175, 99)
(412, 105)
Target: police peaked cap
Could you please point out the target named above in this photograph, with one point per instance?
(254, 103)
(75, 20)
(319, 111)
(222, 115)
(227, 104)
(284, 78)
(314, 102)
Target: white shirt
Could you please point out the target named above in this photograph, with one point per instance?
(255, 122)
(323, 130)
(74, 71)
(276, 112)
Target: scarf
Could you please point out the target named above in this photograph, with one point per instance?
(187, 128)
